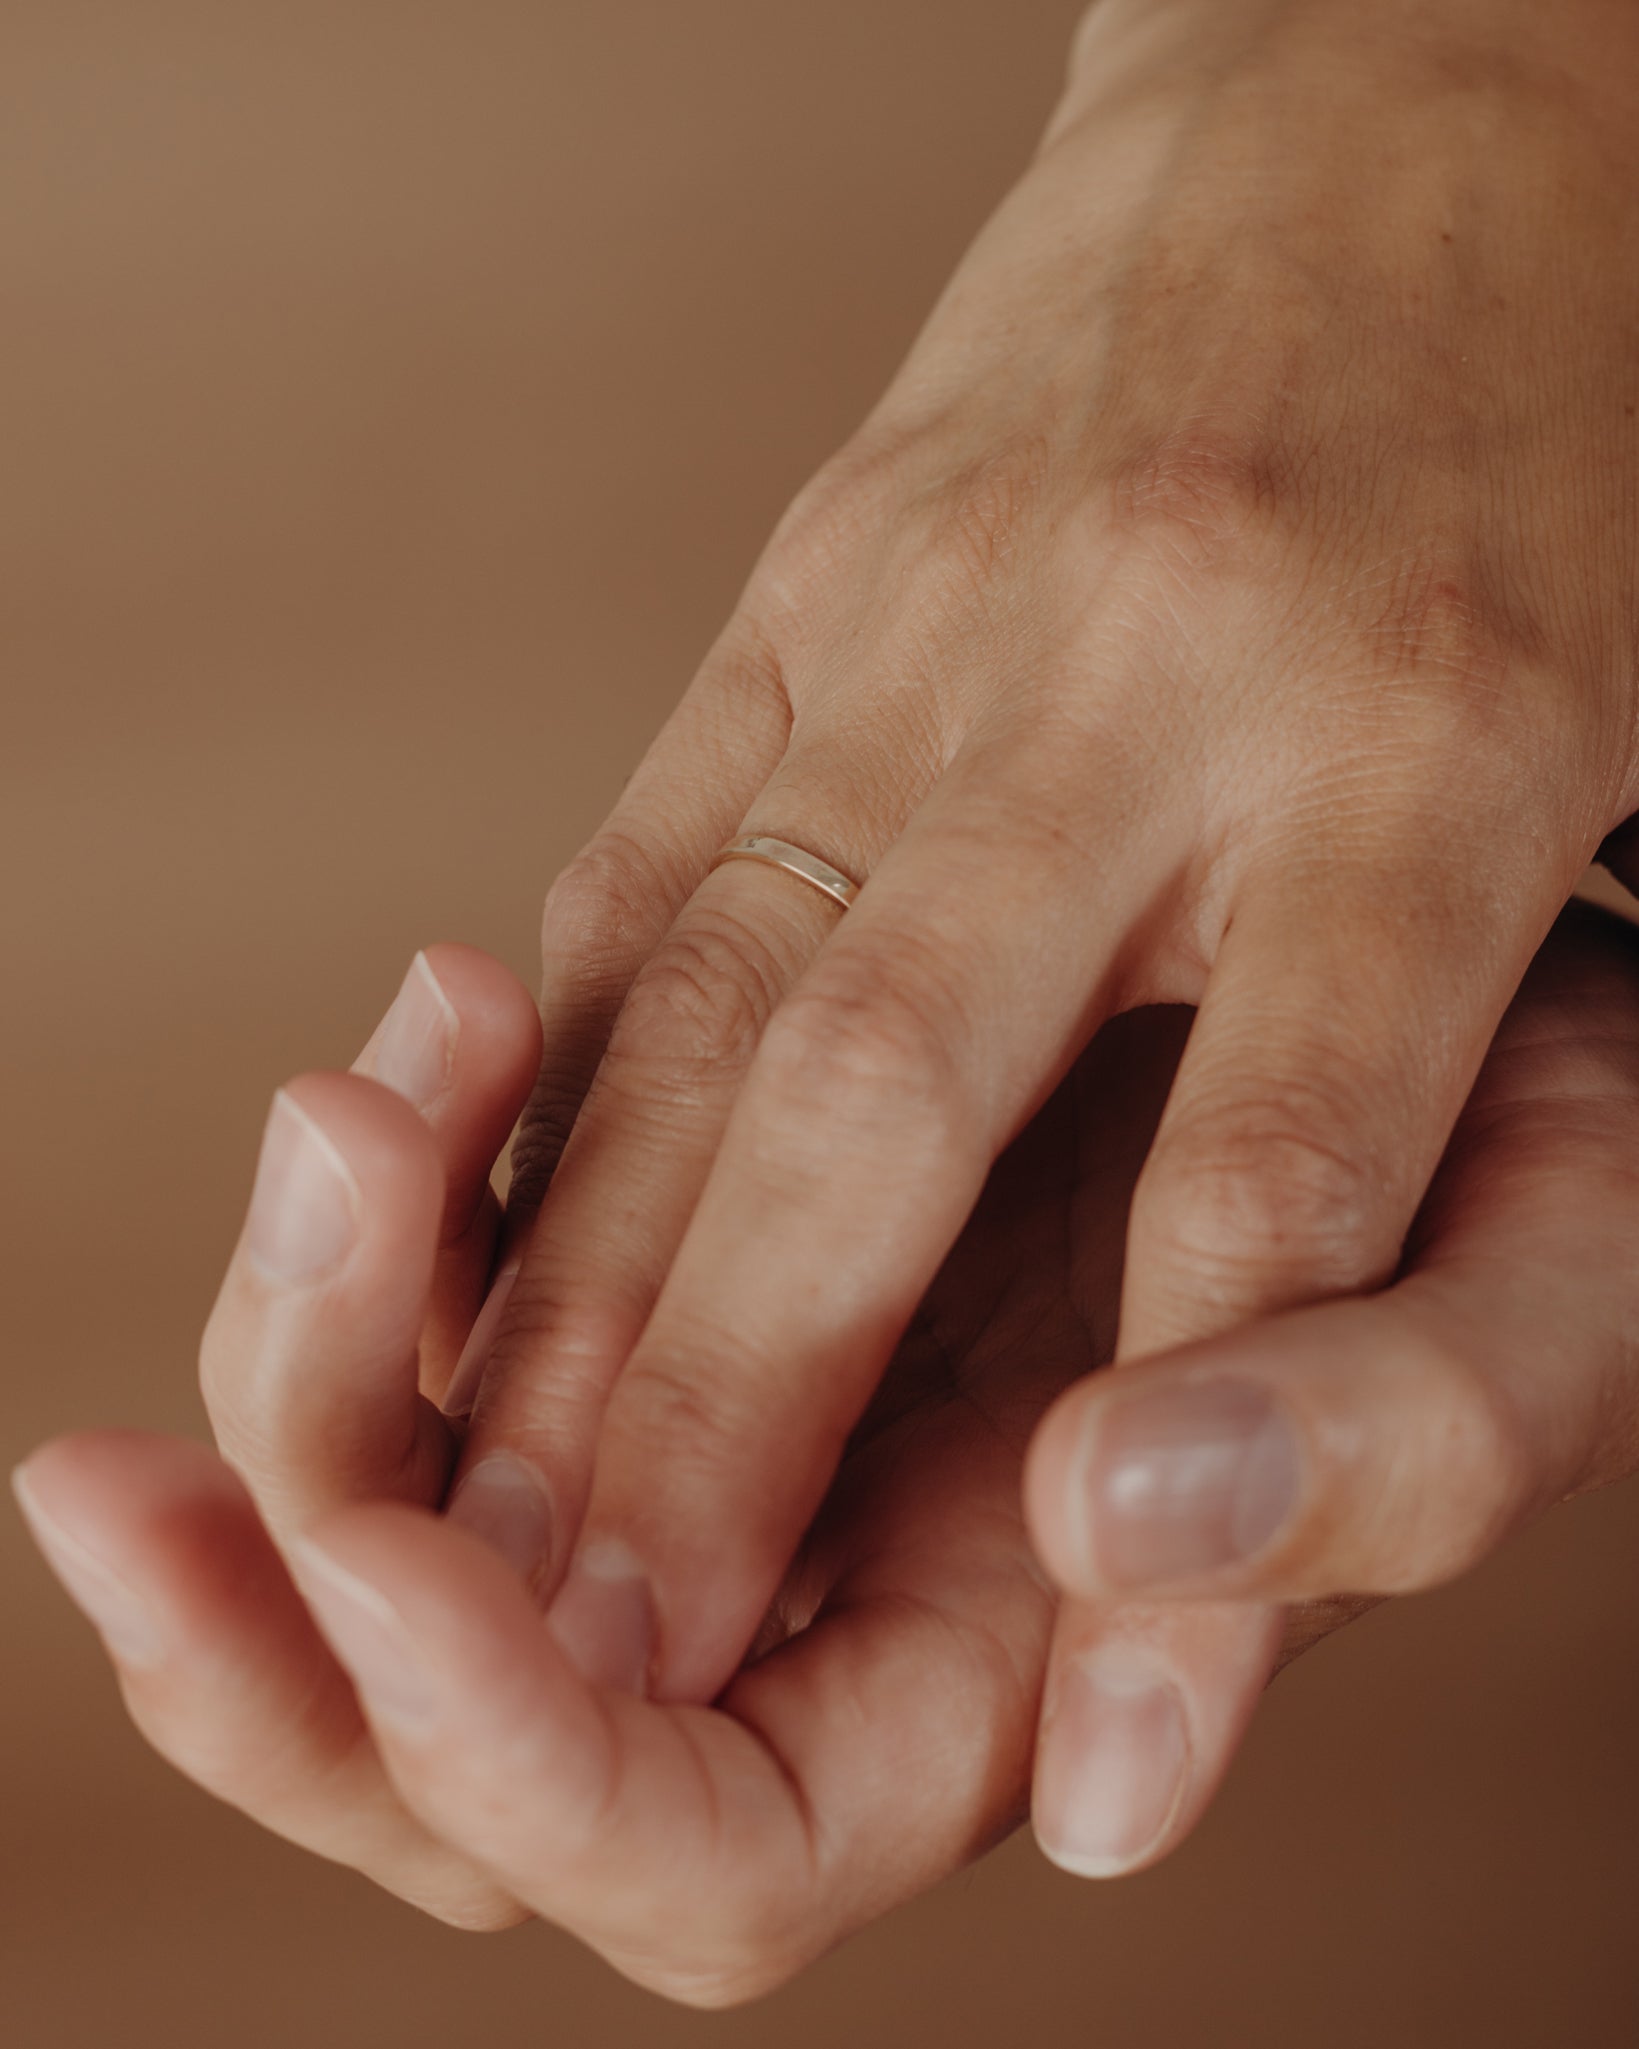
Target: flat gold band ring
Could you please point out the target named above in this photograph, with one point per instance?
(757, 846)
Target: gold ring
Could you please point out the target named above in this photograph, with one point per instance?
(757, 846)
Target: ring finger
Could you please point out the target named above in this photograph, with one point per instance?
(642, 1147)
(364, 1246)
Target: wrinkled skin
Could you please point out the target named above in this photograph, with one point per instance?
(429, 1731)
(1234, 600)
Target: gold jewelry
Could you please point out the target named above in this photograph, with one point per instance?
(757, 846)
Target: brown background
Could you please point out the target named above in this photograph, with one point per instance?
(392, 395)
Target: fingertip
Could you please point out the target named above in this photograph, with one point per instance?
(42, 1466)
(1115, 1765)
(461, 1042)
(429, 1563)
(1167, 1479)
(1054, 1513)
(309, 1361)
(1143, 1713)
(147, 1534)
(104, 1475)
(495, 1009)
(493, 1060)
(379, 1138)
(93, 1573)
(454, 1004)
(39, 1479)
(356, 1109)
(345, 1167)
(434, 1625)
(418, 1560)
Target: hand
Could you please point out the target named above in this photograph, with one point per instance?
(1341, 1452)
(1232, 601)
(882, 1740)
(884, 1734)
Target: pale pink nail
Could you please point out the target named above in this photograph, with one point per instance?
(1113, 1764)
(304, 1209)
(1185, 1480)
(603, 1617)
(468, 1376)
(415, 1046)
(123, 1620)
(504, 1500)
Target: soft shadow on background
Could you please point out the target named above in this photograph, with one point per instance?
(393, 394)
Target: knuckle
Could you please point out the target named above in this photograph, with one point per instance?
(847, 500)
(1428, 625)
(697, 1420)
(961, 550)
(719, 1984)
(243, 1412)
(482, 1914)
(1197, 498)
(213, 1384)
(603, 904)
(736, 714)
(865, 1029)
(1262, 1190)
(543, 1131)
(557, 1356)
(755, 1944)
(704, 997)
(979, 515)
(1428, 616)
(1480, 1445)
(943, 527)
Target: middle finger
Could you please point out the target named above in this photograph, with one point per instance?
(971, 972)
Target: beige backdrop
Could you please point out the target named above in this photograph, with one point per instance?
(392, 396)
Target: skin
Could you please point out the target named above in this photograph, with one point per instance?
(1233, 601)
(310, 1640)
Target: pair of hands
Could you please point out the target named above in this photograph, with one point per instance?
(368, 1679)
(1233, 602)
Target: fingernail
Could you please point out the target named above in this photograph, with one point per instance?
(415, 1047)
(304, 1209)
(1185, 1481)
(603, 1617)
(369, 1636)
(1114, 1765)
(504, 1500)
(120, 1616)
(465, 1381)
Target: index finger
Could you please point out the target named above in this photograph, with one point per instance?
(369, 1204)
